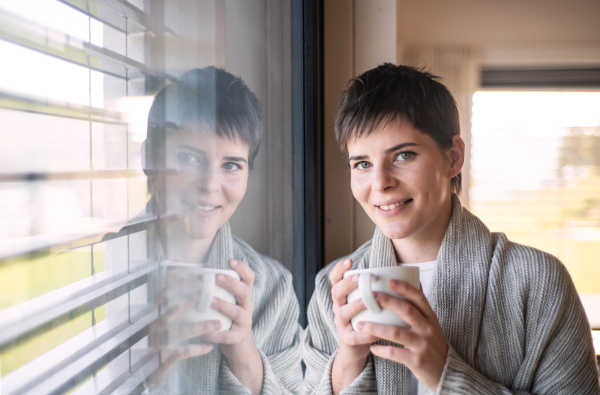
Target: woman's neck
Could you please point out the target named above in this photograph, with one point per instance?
(425, 245)
(179, 246)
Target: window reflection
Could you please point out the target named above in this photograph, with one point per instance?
(80, 220)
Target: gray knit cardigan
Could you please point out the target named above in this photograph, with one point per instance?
(275, 329)
(510, 314)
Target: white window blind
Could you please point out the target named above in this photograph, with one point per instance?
(74, 267)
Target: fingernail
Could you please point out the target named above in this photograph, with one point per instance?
(360, 325)
(394, 283)
(220, 278)
(216, 324)
(213, 301)
(234, 262)
(346, 263)
(355, 278)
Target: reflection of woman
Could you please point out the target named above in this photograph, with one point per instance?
(492, 316)
(203, 136)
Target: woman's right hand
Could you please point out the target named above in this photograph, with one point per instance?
(167, 333)
(354, 346)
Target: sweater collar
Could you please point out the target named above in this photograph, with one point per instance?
(220, 251)
(459, 284)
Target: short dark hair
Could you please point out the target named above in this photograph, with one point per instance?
(210, 96)
(388, 93)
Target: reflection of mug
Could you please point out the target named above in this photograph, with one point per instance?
(202, 280)
(377, 279)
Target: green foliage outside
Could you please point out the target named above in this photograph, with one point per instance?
(563, 221)
(32, 276)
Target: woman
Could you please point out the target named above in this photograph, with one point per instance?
(203, 137)
(491, 316)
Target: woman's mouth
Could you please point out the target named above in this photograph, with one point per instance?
(206, 208)
(387, 207)
(202, 209)
(392, 208)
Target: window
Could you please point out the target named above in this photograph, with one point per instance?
(76, 82)
(535, 175)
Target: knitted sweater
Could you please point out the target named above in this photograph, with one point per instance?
(275, 329)
(510, 314)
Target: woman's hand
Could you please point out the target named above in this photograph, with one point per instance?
(237, 344)
(167, 332)
(354, 346)
(236, 341)
(425, 348)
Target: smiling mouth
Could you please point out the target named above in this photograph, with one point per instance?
(392, 206)
(202, 207)
(206, 208)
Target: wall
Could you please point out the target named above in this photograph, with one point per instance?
(510, 32)
(358, 35)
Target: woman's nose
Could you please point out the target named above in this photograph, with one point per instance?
(383, 178)
(208, 179)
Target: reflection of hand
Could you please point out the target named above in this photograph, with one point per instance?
(354, 346)
(425, 348)
(167, 332)
(237, 343)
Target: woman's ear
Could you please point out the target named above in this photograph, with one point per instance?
(456, 155)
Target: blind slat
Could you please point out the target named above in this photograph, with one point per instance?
(20, 102)
(59, 358)
(47, 242)
(28, 319)
(118, 14)
(23, 32)
(80, 369)
(143, 363)
(75, 175)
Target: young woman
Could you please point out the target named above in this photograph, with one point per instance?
(203, 137)
(491, 316)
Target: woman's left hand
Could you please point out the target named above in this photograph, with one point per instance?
(237, 344)
(425, 348)
(236, 341)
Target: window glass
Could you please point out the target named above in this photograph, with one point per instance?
(535, 175)
(108, 194)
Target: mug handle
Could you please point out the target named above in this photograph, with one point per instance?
(364, 288)
(208, 289)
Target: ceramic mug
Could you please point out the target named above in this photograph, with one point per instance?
(377, 279)
(203, 280)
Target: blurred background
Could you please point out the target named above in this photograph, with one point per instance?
(76, 82)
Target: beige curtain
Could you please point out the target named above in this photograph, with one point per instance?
(459, 68)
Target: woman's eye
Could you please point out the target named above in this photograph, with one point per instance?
(406, 155)
(185, 158)
(231, 166)
(362, 165)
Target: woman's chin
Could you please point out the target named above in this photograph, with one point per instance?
(200, 228)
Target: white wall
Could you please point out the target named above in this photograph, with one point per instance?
(508, 32)
(359, 35)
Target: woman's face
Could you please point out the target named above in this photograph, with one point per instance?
(209, 181)
(401, 178)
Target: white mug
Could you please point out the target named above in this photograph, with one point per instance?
(377, 279)
(204, 280)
